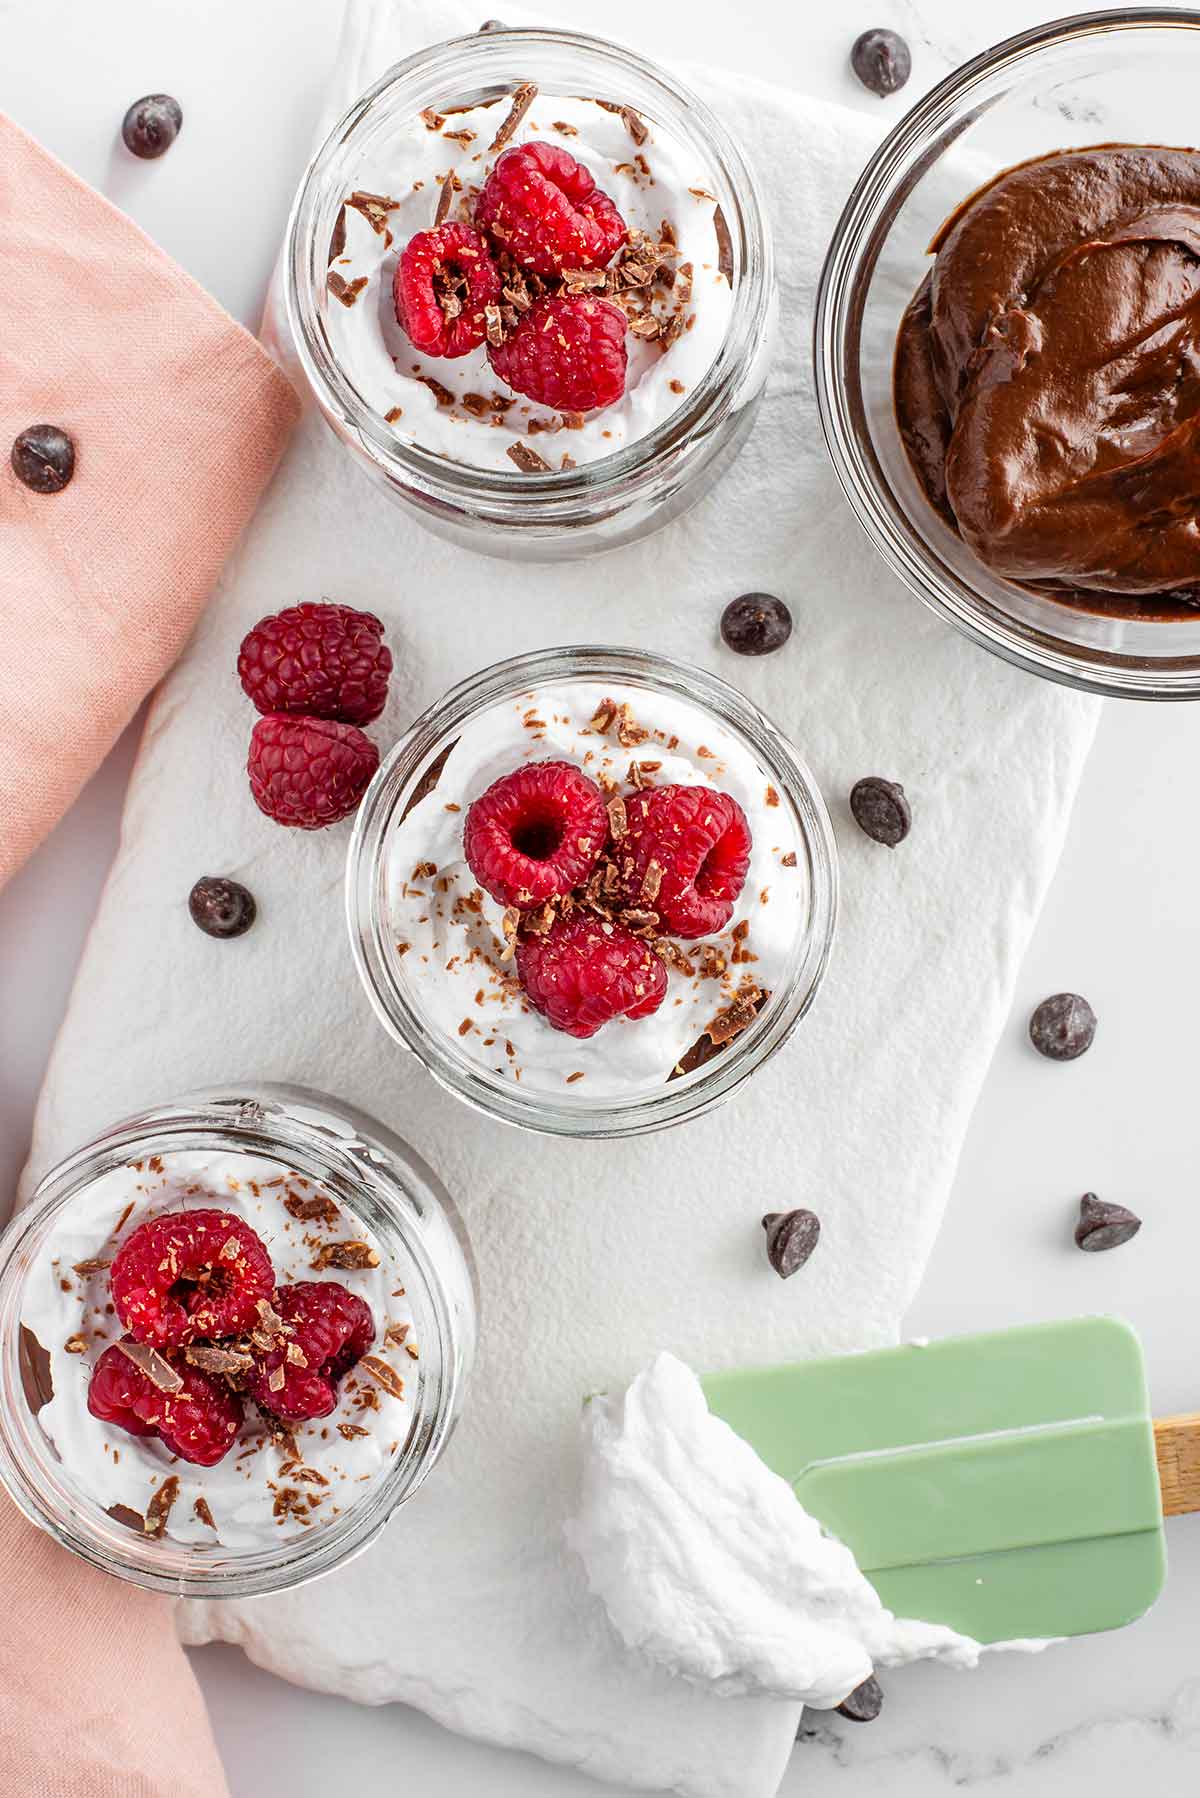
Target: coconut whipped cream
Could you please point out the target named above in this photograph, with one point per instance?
(660, 179)
(708, 1563)
(449, 932)
(262, 1489)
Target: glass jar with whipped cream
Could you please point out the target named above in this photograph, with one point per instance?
(235, 1333)
(592, 890)
(556, 358)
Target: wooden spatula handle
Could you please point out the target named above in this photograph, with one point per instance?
(1177, 1448)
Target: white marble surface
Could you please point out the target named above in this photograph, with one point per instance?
(1120, 925)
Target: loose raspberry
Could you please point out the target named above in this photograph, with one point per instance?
(584, 972)
(699, 843)
(568, 353)
(535, 833)
(444, 280)
(323, 660)
(199, 1423)
(547, 211)
(308, 772)
(332, 1329)
(189, 1275)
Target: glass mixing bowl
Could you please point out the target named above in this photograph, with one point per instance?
(1103, 77)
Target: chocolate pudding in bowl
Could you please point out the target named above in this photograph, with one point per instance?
(235, 1334)
(1006, 358)
(530, 281)
(592, 890)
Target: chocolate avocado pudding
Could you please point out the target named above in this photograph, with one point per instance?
(1047, 380)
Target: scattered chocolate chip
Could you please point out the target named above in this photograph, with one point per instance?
(756, 624)
(1062, 1027)
(863, 1704)
(221, 907)
(882, 61)
(43, 457)
(1103, 1226)
(880, 810)
(151, 125)
(791, 1238)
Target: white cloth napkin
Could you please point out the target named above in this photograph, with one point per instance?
(591, 1257)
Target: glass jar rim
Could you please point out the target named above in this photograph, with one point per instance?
(255, 1122)
(892, 172)
(544, 496)
(374, 949)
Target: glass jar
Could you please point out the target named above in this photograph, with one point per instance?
(401, 994)
(383, 1192)
(617, 498)
(1102, 77)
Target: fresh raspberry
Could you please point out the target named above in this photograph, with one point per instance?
(444, 280)
(547, 211)
(568, 353)
(332, 1328)
(535, 833)
(324, 660)
(308, 772)
(200, 1423)
(699, 842)
(584, 972)
(189, 1275)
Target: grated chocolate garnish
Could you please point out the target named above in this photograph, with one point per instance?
(433, 120)
(633, 122)
(90, 1267)
(374, 208)
(527, 459)
(445, 199)
(495, 325)
(788, 860)
(618, 822)
(201, 1511)
(350, 1430)
(308, 1209)
(156, 1368)
(159, 1508)
(441, 394)
(348, 1255)
(383, 1374)
(523, 99)
(345, 291)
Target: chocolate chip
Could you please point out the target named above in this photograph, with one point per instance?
(151, 125)
(791, 1238)
(1062, 1027)
(881, 810)
(756, 624)
(43, 457)
(1102, 1226)
(221, 907)
(882, 61)
(865, 1702)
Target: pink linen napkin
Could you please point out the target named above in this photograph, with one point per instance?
(178, 418)
(96, 1696)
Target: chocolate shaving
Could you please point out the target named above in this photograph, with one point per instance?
(527, 459)
(394, 1335)
(445, 199)
(307, 1210)
(684, 276)
(639, 920)
(269, 1319)
(618, 822)
(645, 324)
(383, 1375)
(348, 1255)
(523, 99)
(632, 121)
(295, 1355)
(495, 325)
(788, 860)
(735, 1017)
(433, 120)
(441, 394)
(651, 881)
(581, 280)
(90, 1267)
(337, 240)
(724, 244)
(462, 136)
(157, 1370)
(221, 1361)
(374, 208)
(159, 1508)
(509, 924)
(350, 1430)
(76, 1345)
(200, 1510)
(277, 1378)
(567, 130)
(389, 418)
(345, 291)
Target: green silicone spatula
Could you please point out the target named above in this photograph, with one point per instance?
(1008, 1485)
